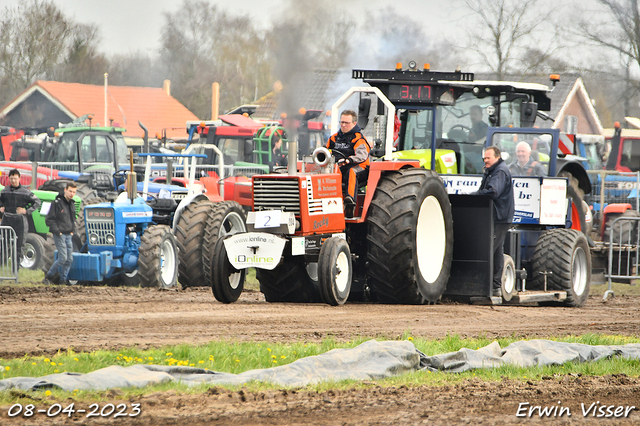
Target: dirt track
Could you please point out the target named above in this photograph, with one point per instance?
(45, 320)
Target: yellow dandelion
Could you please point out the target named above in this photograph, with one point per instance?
(282, 356)
(150, 358)
(169, 353)
(192, 365)
(269, 349)
(201, 362)
(33, 363)
(53, 364)
(273, 356)
(47, 360)
(7, 368)
(275, 362)
(56, 370)
(48, 393)
(75, 359)
(59, 363)
(410, 338)
(237, 360)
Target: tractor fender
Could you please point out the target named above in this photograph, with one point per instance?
(577, 170)
(183, 204)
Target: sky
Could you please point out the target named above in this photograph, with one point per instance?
(128, 26)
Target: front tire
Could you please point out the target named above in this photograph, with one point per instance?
(33, 252)
(410, 238)
(335, 271)
(508, 287)
(226, 218)
(227, 282)
(565, 253)
(158, 261)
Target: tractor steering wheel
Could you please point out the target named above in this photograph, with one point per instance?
(459, 133)
(338, 155)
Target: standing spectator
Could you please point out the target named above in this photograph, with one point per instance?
(61, 221)
(496, 183)
(16, 202)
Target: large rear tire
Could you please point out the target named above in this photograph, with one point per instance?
(33, 252)
(189, 232)
(226, 218)
(565, 253)
(335, 271)
(158, 261)
(227, 282)
(288, 282)
(410, 238)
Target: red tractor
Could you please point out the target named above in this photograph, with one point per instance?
(396, 249)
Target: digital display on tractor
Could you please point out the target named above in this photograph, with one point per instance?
(409, 92)
(99, 213)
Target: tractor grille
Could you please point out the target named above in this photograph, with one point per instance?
(276, 194)
(103, 231)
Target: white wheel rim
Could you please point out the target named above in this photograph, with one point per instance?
(232, 224)
(342, 268)
(509, 279)
(167, 262)
(431, 239)
(28, 256)
(312, 271)
(579, 271)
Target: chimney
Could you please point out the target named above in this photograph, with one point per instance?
(166, 86)
(215, 100)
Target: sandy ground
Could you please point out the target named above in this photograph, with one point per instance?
(37, 320)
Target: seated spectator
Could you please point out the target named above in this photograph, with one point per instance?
(524, 164)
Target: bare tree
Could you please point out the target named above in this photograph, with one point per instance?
(615, 26)
(202, 45)
(37, 41)
(501, 31)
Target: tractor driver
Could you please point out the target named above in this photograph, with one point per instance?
(354, 167)
(525, 165)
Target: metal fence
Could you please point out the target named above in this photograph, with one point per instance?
(623, 248)
(8, 254)
(608, 186)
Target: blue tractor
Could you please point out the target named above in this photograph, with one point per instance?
(125, 246)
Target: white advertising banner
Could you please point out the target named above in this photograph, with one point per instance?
(553, 201)
(526, 194)
(254, 249)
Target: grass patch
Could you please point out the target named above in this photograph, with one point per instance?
(236, 357)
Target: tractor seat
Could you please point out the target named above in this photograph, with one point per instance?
(167, 205)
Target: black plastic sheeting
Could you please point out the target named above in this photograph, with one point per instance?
(370, 360)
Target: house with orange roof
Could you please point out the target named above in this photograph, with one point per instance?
(46, 104)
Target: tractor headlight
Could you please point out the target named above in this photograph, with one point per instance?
(110, 239)
(93, 239)
(133, 235)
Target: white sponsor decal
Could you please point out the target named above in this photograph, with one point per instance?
(332, 205)
(297, 246)
(254, 249)
(553, 201)
(137, 214)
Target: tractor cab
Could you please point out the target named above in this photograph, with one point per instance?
(442, 118)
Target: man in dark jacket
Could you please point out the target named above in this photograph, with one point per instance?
(16, 203)
(354, 162)
(61, 221)
(496, 183)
